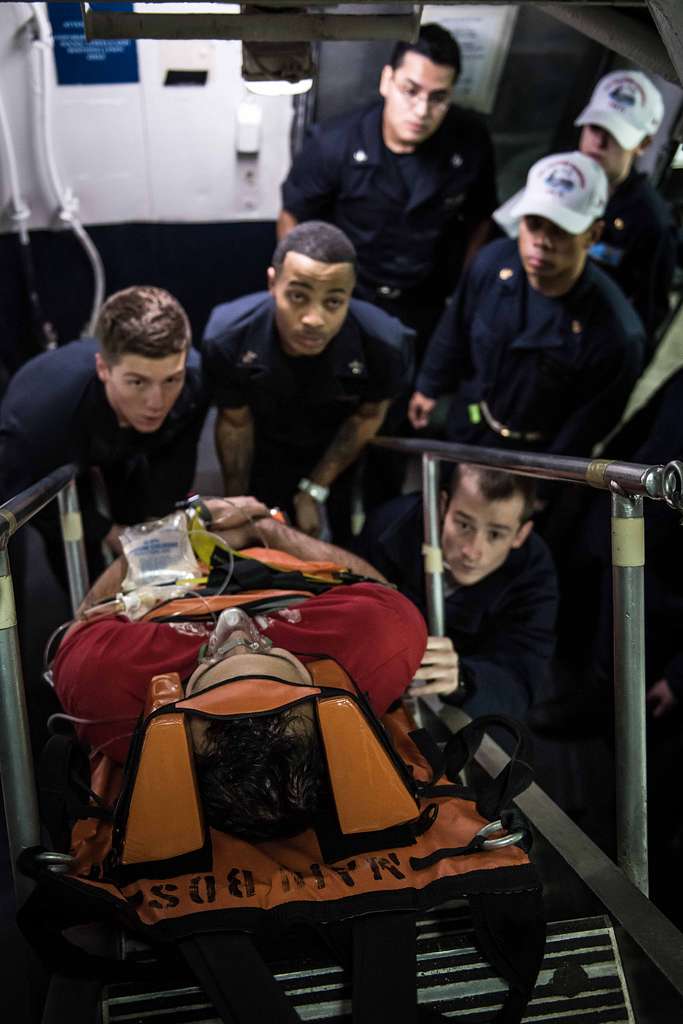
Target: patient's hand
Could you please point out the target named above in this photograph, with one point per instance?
(227, 513)
(439, 668)
(113, 539)
(236, 519)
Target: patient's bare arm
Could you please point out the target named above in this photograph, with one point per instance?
(105, 586)
(242, 522)
(285, 538)
(245, 522)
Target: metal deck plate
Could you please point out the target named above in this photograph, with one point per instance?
(581, 981)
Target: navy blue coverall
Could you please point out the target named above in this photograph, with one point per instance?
(556, 370)
(502, 627)
(299, 404)
(409, 216)
(638, 249)
(55, 411)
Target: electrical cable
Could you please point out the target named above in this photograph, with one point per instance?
(42, 332)
(42, 46)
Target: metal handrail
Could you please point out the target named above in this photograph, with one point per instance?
(628, 483)
(16, 512)
(16, 762)
(663, 483)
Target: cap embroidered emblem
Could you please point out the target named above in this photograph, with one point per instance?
(248, 357)
(457, 160)
(360, 156)
(356, 367)
(618, 223)
(564, 177)
(505, 274)
(576, 327)
(626, 93)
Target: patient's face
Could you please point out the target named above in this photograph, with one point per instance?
(243, 662)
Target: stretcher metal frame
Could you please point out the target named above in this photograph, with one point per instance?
(628, 484)
(16, 763)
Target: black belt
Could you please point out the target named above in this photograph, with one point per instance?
(504, 431)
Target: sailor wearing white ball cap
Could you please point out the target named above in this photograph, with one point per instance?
(567, 188)
(638, 245)
(627, 105)
(539, 346)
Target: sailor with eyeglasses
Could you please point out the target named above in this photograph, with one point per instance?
(410, 180)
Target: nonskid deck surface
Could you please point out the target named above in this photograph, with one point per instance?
(581, 981)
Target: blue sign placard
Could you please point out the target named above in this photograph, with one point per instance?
(102, 61)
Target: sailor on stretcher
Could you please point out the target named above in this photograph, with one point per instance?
(243, 782)
(261, 775)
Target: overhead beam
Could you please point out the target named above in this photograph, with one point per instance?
(261, 27)
(668, 17)
(618, 32)
(441, 3)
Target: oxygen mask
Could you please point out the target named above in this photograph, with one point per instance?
(234, 629)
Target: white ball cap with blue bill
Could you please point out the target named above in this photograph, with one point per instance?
(627, 105)
(568, 189)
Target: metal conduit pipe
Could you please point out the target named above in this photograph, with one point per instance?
(18, 213)
(620, 33)
(42, 52)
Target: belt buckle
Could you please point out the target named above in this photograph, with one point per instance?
(503, 431)
(385, 291)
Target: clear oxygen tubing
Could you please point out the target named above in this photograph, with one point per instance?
(42, 47)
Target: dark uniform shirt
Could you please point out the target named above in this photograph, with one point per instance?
(409, 216)
(560, 370)
(300, 402)
(55, 411)
(501, 627)
(638, 248)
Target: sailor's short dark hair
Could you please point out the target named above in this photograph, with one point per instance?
(143, 321)
(496, 485)
(433, 42)
(319, 241)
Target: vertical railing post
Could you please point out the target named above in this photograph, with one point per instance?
(16, 763)
(74, 545)
(628, 561)
(433, 564)
(431, 549)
